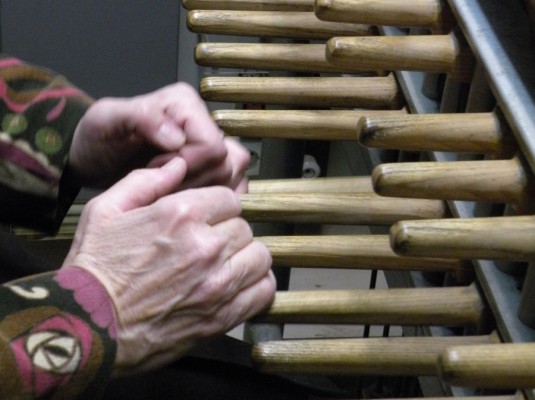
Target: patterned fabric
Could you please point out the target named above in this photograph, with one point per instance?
(39, 112)
(57, 337)
(57, 330)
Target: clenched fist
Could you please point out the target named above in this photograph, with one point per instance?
(180, 267)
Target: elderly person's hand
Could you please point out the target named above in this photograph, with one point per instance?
(117, 135)
(179, 267)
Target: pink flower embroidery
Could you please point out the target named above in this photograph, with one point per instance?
(90, 295)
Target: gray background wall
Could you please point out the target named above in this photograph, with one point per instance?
(106, 47)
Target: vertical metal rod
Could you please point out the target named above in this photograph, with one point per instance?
(373, 284)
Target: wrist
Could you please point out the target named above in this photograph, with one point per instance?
(91, 295)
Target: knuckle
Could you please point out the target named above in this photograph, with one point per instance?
(95, 208)
(243, 229)
(216, 288)
(266, 260)
(141, 107)
(209, 247)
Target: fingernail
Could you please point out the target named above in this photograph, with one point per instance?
(175, 162)
(170, 137)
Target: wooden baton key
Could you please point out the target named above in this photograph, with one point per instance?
(344, 184)
(501, 181)
(354, 252)
(253, 5)
(393, 356)
(484, 133)
(492, 238)
(427, 53)
(366, 92)
(491, 366)
(450, 306)
(296, 25)
(337, 208)
(269, 56)
(293, 124)
(432, 14)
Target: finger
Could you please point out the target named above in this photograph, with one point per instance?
(144, 117)
(210, 205)
(144, 186)
(239, 158)
(186, 108)
(219, 174)
(242, 186)
(244, 268)
(250, 301)
(203, 155)
(160, 160)
(239, 235)
(168, 137)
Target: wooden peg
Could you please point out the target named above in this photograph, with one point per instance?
(494, 238)
(451, 306)
(502, 181)
(346, 184)
(428, 53)
(297, 25)
(366, 92)
(293, 124)
(394, 356)
(492, 366)
(432, 14)
(485, 133)
(269, 56)
(253, 5)
(350, 252)
(338, 208)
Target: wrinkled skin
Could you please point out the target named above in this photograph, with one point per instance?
(179, 267)
(178, 263)
(117, 135)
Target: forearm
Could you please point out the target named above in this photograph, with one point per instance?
(57, 336)
(39, 111)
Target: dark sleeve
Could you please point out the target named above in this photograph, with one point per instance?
(57, 337)
(39, 111)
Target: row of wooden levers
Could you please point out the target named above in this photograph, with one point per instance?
(333, 79)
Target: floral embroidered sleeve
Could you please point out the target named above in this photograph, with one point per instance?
(39, 111)
(57, 332)
(57, 337)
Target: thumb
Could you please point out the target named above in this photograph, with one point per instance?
(146, 118)
(142, 187)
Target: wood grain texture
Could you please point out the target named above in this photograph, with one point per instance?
(296, 25)
(270, 56)
(339, 208)
(394, 356)
(452, 306)
(494, 238)
(350, 252)
(294, 124)
(502, 181)
(254, 5)
(433, 14)
(367, 92)
(428, 53)
(485, 133)
(346, 184)
(493, 366)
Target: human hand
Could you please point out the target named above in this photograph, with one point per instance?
(179, 267)
(117, 135)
